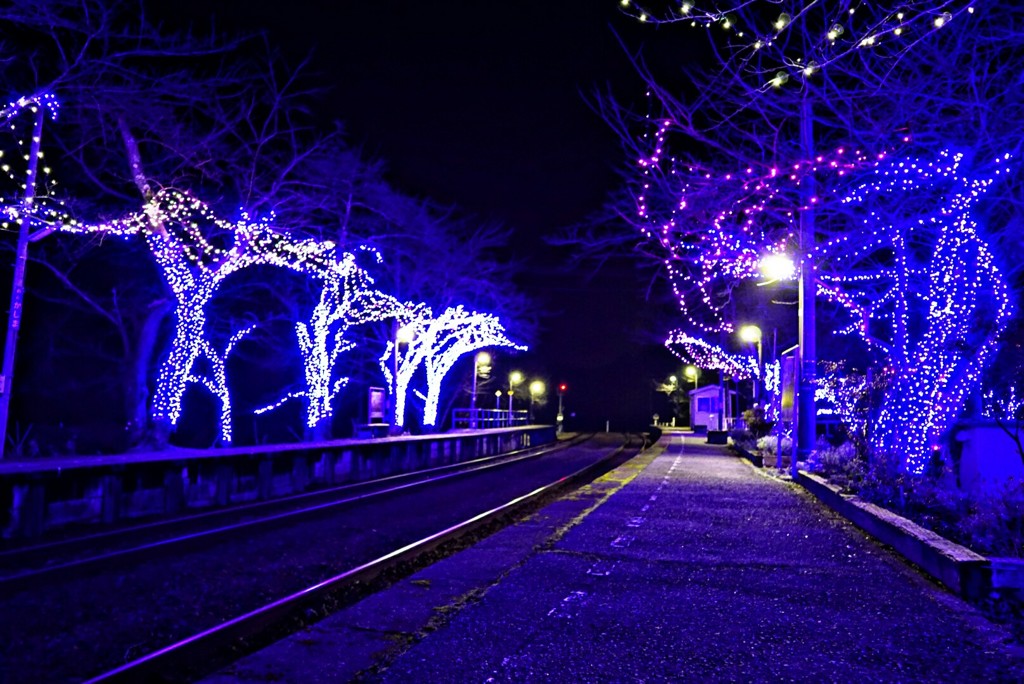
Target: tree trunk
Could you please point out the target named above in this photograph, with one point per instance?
(136, 389)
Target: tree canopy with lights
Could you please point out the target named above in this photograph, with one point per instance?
(849, 137)
(204, 157)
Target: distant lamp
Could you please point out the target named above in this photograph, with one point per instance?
(514, 378)
(750, 334)
(405, 334)
(777, 267)
(537, 389)
(481, 359)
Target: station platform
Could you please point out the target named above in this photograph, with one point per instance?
(48, 495)
(683, 565)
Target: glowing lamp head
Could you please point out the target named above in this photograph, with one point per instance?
(537, 388)
(483, 359)
(750, 334)
(405, 334)
(691, 372)
(672, 379)
(777, 267)
(515, 377)
(563, 387)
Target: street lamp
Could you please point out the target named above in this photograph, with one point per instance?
(780, 267)
(751, 334)
(692, 372)
(777, 267)
(536, 390)
(514, 378)
(481, 359)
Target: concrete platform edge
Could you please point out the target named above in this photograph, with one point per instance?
(956, 567)
(368, 647)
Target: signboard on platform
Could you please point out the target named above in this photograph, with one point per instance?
(376, 405)
(789, 380)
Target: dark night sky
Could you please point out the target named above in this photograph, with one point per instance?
(483, 106)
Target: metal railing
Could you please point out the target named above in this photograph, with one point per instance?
(482, 419)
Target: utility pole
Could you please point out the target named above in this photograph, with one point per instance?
(806, 431)
(18, 287)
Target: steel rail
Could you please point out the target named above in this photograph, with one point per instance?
(50, 573)
(176, 662)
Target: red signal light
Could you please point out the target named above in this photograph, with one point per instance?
(563, 387)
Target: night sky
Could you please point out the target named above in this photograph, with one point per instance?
(484, 106)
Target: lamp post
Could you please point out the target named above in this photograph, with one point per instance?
(514, 378)
(692, 372)
(751, 334)
(782, 267)
(536, 390)
(481, 359)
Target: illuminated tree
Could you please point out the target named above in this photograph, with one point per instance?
(702, 354)
(194, 268)
(851, 136)
(938, 299)
(147, 109)
(347, 299)
(436, 343)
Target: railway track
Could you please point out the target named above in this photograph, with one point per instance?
(26, 567)
(357, 556)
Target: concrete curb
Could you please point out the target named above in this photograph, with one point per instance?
(963, 571)
(755, 460)
(956, 567)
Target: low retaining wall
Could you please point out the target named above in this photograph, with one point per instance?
(961, 570)
(48, 494)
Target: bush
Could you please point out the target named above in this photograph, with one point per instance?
(840, 465)
(994, 524)
(756, 424)
(744, 439)
(990, 523)
(766, 445)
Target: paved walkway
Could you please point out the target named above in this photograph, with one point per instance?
(683, 565)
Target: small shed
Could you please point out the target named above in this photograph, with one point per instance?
(705, 405)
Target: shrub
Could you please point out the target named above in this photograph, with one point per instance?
(991, 523)
(766, 445)
(743, 439)
(841, 465)
(756, 423)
